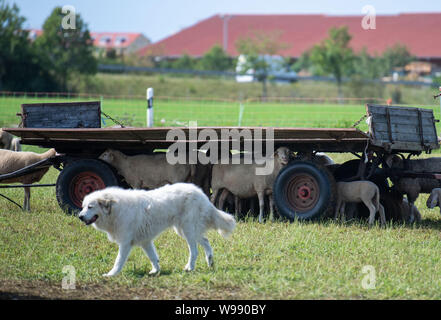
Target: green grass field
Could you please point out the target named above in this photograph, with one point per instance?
(179, 111)
(275, 260)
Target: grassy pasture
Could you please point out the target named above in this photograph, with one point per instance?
(275, 260)
(179, 111)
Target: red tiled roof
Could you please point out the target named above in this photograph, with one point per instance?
(102, 39)
(113, 39)
(420, 32)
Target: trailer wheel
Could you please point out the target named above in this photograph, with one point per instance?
(80, 178)
(305, 191)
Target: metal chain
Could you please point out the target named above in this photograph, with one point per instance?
(358, 122)
(114, 120)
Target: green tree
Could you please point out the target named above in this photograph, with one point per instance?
(333, 55)
(21, 68)
(367, 66)
(215, 59)
(67, 52)
(185, 62)
(255, 48)
(396, 56)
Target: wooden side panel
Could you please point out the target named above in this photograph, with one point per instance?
(62, 115)
(401, 128)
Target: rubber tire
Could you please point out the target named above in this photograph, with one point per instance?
(325, 204)
(73, 169)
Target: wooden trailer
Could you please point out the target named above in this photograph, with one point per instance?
(303, 189)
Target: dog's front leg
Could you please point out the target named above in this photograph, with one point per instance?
(149, 249)
(123, 253)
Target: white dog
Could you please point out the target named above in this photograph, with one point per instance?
(137, 217)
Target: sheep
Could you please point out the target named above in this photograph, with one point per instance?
(360, 191)
(200, 176)
(323, 159)
(412, 187)
(318, 157)
(407, 210)
(434, 199)
(11, 161)
(241, 180)
(9, 142)
(147, 171)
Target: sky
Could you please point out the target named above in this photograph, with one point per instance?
(158, 19)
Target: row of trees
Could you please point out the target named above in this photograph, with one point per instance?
(47, 63)
(334, 56)
(331, 57)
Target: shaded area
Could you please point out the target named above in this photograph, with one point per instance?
(44, 290)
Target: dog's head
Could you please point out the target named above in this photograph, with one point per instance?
(97, 208)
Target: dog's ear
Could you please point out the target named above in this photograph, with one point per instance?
(106, 204)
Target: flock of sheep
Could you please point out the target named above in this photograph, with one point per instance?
(233, 185)
(239, 182)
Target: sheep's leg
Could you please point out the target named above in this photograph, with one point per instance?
(214, 196)
(337, 209)
(372, 211)
(27, 199)
(261, 197)
(417, 215)
(271, 203)
(237, 208)
(342, 212)
(223, 196)
(412, 215)
(382, 215)
(150, 251)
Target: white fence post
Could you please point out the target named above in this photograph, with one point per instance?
(150, 107)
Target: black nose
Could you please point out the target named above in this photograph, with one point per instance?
(81, 218)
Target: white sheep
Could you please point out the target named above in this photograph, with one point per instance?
(9, 142)
(147, 171)
(11, 161)
(434, 199)
(241, 179)
(360, 191)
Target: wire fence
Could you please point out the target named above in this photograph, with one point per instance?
(173, 111)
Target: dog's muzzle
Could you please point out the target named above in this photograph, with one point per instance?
(87, 222)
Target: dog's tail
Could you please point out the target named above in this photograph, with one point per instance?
(224, 223)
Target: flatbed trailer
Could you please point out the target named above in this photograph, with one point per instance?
(304, 189)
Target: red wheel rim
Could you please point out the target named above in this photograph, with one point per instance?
(83, 184)
(302, 192)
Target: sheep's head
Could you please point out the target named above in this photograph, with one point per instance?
(107, 156)
(283, 154)
(52, 152)
(433, 200)
(394, 161)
